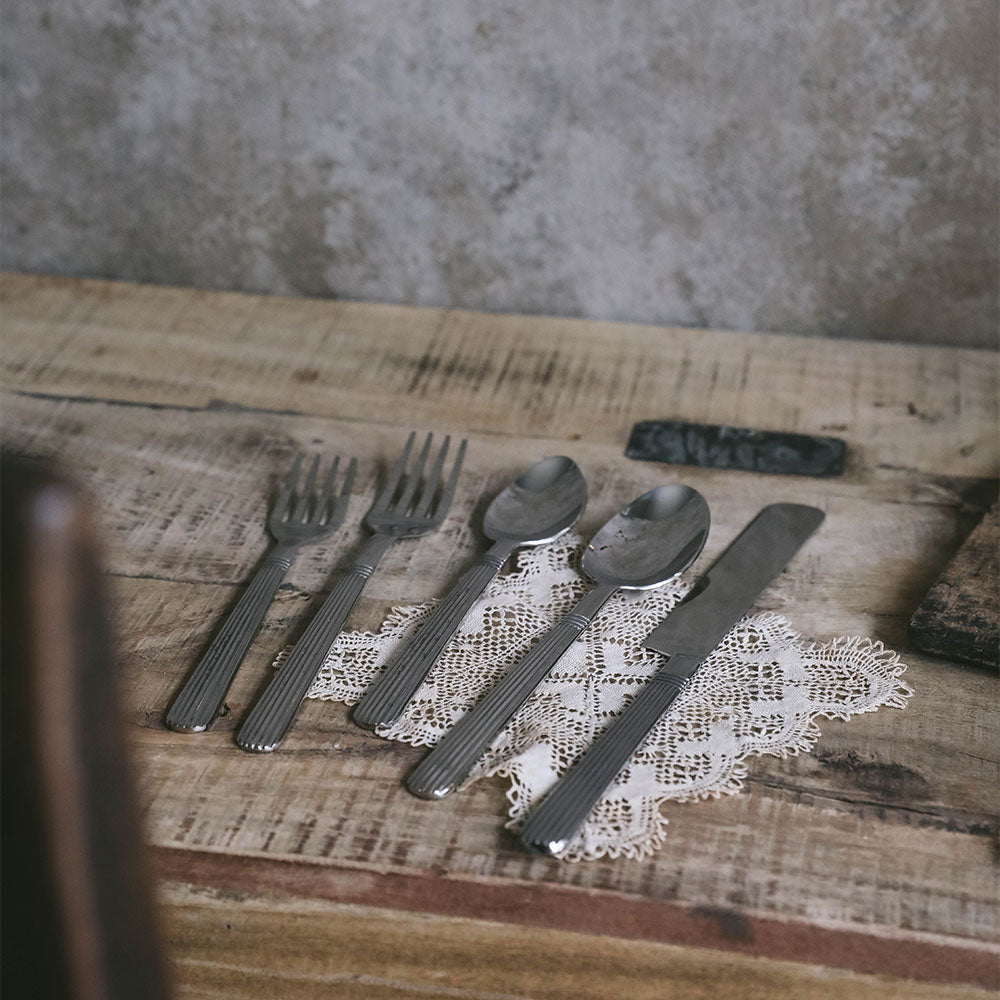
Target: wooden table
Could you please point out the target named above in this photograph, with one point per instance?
(865, 868)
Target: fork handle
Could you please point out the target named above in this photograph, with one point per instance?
(199, 700)
(562, 812)
(275, 710)
(388, 696)
(451, 760)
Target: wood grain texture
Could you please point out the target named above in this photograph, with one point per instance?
(221, 936)
(181, 410)
(960, 616)
(930, 408)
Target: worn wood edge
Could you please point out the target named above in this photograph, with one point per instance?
(764, 777)
(879, 951)
(14, 284)
(311, 309)
(958, 617)
(433, 349)
(236, 945)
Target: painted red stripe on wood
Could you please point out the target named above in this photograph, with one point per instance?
(590, 912)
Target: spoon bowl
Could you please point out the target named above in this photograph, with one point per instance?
(543, 503)
(655, 537)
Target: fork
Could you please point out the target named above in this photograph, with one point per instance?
(294, 522)
(409, 505)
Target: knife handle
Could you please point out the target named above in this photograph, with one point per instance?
(451, 760)
(389, 695)
(563, 811)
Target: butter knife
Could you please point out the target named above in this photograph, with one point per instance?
(687, 635)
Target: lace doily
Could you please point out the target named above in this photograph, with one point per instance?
(759, 692)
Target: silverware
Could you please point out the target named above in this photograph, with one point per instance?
(543, 503)
(652, 539)
(687, 635)
(294, 522)
(409, 505)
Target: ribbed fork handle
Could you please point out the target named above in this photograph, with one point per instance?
(556, 820)
(388, 696)
(200, 699)
(277, 707)
(451, 760)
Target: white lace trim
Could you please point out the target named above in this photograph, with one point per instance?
(760, 692)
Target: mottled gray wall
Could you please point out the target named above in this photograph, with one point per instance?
(816, 166)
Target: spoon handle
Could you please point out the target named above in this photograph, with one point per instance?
(550, 827)
(389, 695)
(450, 762)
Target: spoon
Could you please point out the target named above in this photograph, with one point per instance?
(543, 503)
(651, 540)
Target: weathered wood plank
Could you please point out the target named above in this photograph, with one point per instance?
(929, 408)
(180, 411)
(184, 495)
(219, 938)
(960, 616)
(902, 829)
(184, 501)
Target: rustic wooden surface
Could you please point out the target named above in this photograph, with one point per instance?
(960, 616)
(875, 855)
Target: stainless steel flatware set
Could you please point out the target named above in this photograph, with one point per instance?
(409, 505)
(651, 540)
(687, 635)
(654, 538)
(296, 520)
(540, 505)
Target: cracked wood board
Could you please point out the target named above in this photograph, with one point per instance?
(960, 616)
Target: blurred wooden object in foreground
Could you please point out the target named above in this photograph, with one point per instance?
(78, 917)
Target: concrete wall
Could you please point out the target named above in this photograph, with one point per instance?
(814, 166)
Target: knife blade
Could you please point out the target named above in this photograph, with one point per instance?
(740, 575)
(687, 635)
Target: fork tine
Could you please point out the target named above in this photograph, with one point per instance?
(414, 475)
(323, 500)
(444, 500)
(300, 512)
(433, 481)
(395, 474)
(333, 511)
(345, 493)
(281, 505)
